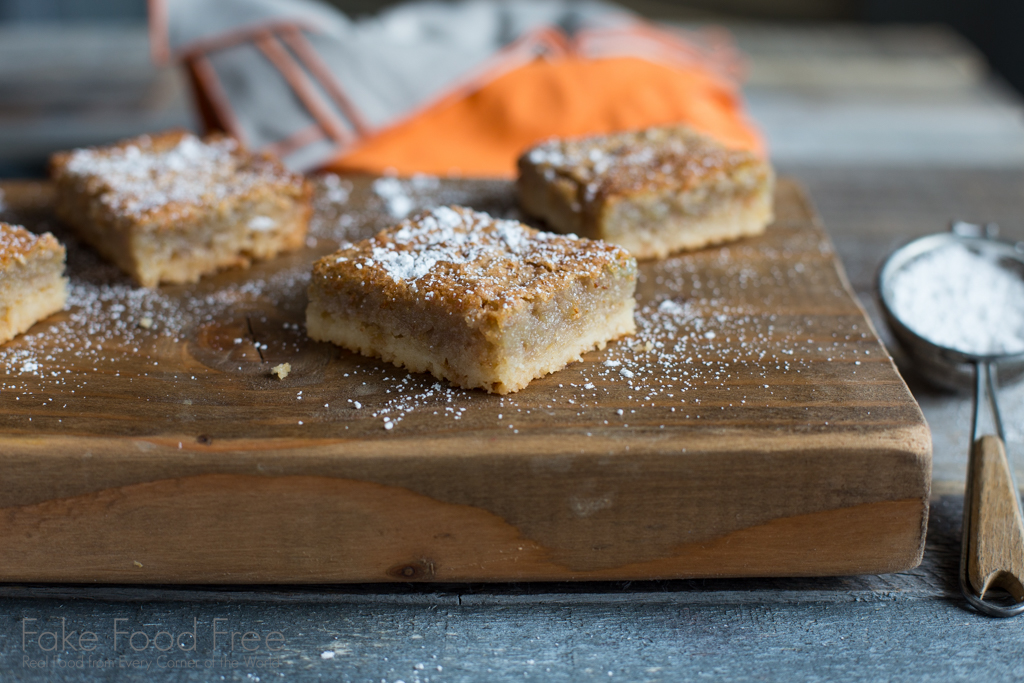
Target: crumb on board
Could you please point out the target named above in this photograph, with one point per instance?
(146, 323)
(281, 370)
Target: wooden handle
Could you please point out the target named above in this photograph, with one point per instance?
(996, 540)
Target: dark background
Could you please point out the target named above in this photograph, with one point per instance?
(994, 26)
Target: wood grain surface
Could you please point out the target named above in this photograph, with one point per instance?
(763, 431)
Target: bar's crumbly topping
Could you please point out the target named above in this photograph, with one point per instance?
(671, 157)
(17, 243)
(150, 173)
(469, 259)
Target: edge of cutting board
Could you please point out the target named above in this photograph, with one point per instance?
(335, 514)
(704, 499)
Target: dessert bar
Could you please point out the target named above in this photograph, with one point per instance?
(655, 192)
(479, 301)
(170, 208)
(32, 282)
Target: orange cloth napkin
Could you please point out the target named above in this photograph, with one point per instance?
(481, 133)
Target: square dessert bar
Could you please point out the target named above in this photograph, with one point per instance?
(472, 299)
(172, 207)
(32, 282)
(654, 192)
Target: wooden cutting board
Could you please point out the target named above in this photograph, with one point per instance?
(754, 426)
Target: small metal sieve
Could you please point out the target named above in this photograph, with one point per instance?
(992, 553)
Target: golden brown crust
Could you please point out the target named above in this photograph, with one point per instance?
(466, 263)
(477, 301)
(171, 175)
(32, 282)
(170, 207)
(661, 181)
(18, 244)
(671, 157)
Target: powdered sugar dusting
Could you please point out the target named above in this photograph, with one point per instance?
(137, 177)
(336, 190)
(670, 156)
(406, 265)
(961, 300)
(769, 347)
(400, 195)
(458, 237)
(14, 239)
(391, 191)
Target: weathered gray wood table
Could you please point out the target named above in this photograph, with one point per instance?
(912, 625)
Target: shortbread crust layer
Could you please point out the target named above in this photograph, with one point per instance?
(479, 302)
